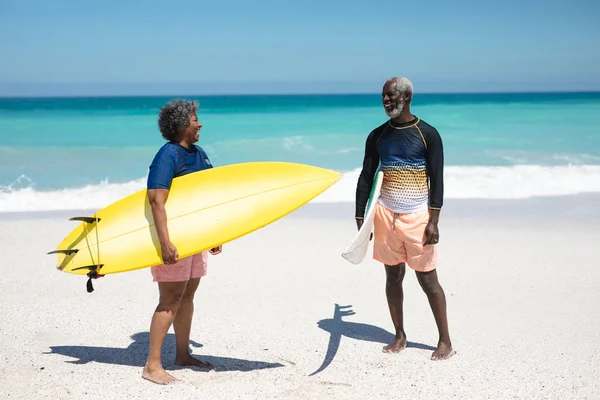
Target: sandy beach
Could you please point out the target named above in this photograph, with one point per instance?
(296, 321)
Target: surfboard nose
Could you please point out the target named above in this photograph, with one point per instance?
(325, 177)
(330, 175)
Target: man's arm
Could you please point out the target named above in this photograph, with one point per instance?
(434, 157)
(365, 179)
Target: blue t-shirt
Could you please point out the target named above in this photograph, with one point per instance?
(173, 160)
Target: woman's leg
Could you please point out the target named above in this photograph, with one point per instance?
(171, 295)
(183, 325)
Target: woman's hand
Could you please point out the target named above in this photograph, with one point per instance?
(169, 253)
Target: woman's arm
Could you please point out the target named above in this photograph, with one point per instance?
(157, 199)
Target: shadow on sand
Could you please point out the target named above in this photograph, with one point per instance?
(338, 328)
(135, 355)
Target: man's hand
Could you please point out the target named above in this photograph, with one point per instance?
(359, 223)
(169, 253)
(432, 235)
(216, 250)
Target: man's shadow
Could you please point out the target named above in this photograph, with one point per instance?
(353, 330)
(135, 355)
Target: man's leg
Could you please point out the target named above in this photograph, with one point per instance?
(437, 300)
(395, 297)
(171, 294)
(183, 325)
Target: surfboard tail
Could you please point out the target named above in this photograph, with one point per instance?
(68, 252)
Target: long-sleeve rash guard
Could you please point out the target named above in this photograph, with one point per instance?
(411, 157)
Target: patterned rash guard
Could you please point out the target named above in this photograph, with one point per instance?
(412, 160)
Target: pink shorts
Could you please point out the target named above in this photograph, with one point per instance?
(398, 238)
(194, 266)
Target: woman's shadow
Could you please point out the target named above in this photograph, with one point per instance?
(338, 328)
(135, 355)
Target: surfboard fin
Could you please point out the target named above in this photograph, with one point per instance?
(93, 274)
(89, 220)
(92, 267)
(67, 252)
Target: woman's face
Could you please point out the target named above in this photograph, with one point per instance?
(191, 133)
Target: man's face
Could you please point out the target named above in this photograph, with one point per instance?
(393, 101)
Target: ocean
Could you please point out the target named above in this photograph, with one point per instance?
(74, 153)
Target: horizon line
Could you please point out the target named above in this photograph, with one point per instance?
(33, 90)
(291, 94)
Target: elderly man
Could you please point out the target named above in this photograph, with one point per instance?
(406, 222)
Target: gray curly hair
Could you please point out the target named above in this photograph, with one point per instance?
(174, 117)
(403, 85)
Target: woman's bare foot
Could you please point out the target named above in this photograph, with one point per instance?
(158, 375)
(189, 361)
(443, 352)
(396, 346)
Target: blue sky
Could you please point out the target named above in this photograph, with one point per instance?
(240, 46)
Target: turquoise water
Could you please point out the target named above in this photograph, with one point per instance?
(85, 144)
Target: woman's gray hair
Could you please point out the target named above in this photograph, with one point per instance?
(174, 117)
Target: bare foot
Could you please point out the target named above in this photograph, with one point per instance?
(189, 361)
(396, 346)
(443, 352)
(158, 376)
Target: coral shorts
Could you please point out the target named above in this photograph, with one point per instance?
(194, 266)
(398, 238)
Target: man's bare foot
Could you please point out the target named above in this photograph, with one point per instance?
(189, 361)
(158, 376)
(396, 346)
(443, 352)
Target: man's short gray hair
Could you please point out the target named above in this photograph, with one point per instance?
(402, 84)
(174, 117)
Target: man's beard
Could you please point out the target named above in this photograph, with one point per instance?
(395, 112)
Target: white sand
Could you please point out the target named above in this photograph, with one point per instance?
(523, 304)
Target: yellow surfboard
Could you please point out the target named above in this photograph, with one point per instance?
(204, 209)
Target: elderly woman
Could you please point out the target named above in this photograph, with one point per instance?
(177, 278)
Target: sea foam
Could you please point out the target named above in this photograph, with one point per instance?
(461, 182)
